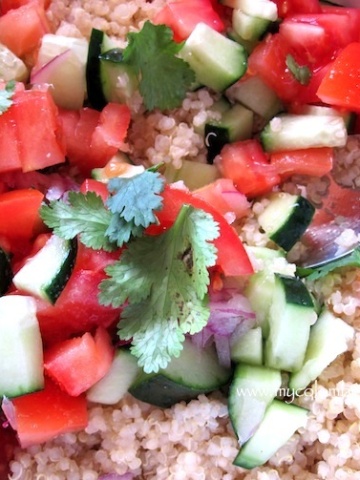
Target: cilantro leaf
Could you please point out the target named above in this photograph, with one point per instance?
(301, 73)
(164, 280)
(6, 96)
(132, 203)
(164, 78)
(84, 215)
(351, 259)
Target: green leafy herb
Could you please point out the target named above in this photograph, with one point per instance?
(6, 96)
(84, 215)
(164, 280)
(131, 209)
(164, 78)
(132, 203)
(352, 259)
(301, 73)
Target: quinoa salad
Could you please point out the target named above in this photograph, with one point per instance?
(195, 440)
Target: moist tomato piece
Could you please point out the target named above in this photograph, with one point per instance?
(41, 416)
(289, 7)
(91, 185)
(19, 214)
(6, 5)
(341, 84)
(94, 260)
(22, 28)
(247, 165)
(9, 151)
(311, 161)
(77, 310)
(93, 137)
(78, 363)
(182, 16)
(39, 133)
(232, 258)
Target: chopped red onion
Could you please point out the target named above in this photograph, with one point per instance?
(9, 412)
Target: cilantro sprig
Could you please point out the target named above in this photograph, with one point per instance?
(6, 95)
(161, 281)
(301, 73)
(164, 78)
(164, 279)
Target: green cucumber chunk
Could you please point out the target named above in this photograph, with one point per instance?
(21, 349)
(292, 132)
(194, 174)
(291, 315)
(47, 272)
(247, 26)
(329, 337)
(248, 348)
(116, 383)
(194, 372)
(286, 218)
(217, 61)
(280, 422)
(252, 389)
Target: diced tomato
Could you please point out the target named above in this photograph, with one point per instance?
(22, 28)
(247, 165)
(225, 197)
(93, 137)
(94, 260)
(312, 161)
(308, 93)
(182, 16)
(9, 151)
(41, 416)
(77, 310)
(91, 185)
(78, 363)
(8, 443)
(232, 258)
(341, 84)
(289, 7)
(39, 132)
(6, 5)
(268, 59)
(19, 213)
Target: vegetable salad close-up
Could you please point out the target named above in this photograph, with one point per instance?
(179, 240)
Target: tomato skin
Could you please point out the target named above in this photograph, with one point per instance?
(19, 213)
(182, 16)
(91, 185)
(77, 309)
(43, 415)
(289, 7)
(232, 258)
(247, 165)
(39, 132)
(78, 363)
(94, 260)
(341, 85)
(30, 22)
(312, 161)
(93, 137)
(7, 5)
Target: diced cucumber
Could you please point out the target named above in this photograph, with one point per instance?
(248, 348)
(99, 43)
(329, 337)
(259, 291)
(291, 132)
(265, 9)
(235, 124)
(247, 26)
(217, 61)
(349, 117)
(194, 372)
(257, 96)
(286, 218)
(6, 273)
(252, 389)
(291, 315)
(280, 422)
(21, 351)
(47, 272)
(194, 174)
(11, 66)
(111, 388)
(119, 80)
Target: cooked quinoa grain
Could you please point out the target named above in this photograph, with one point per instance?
(195, 441)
